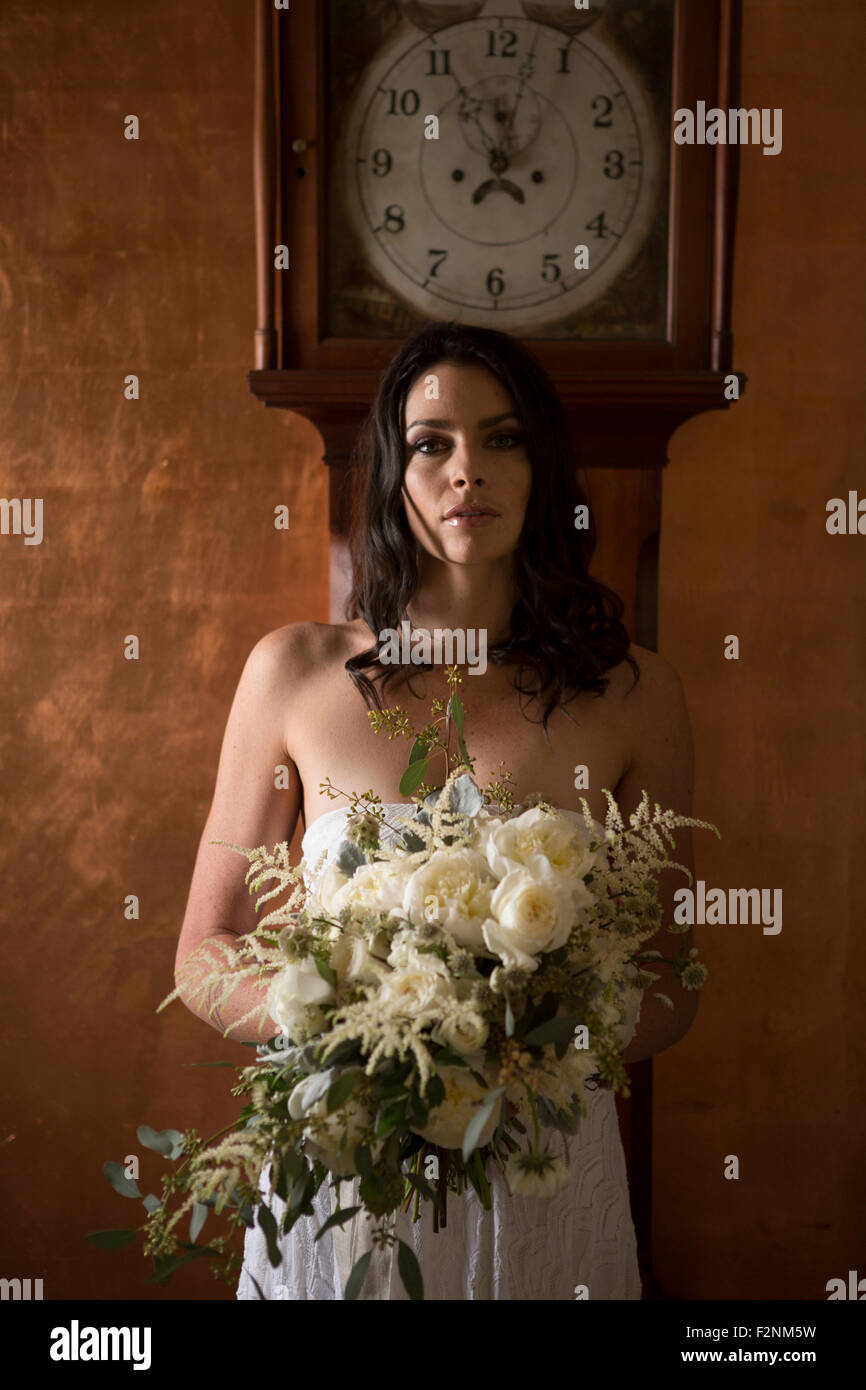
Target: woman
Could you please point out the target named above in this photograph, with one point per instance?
(467, 525)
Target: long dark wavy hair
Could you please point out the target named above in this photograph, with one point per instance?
(566, 628)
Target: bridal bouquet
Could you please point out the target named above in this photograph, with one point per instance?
(447, 984)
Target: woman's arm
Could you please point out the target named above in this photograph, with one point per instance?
(663, 763)
(248, 810)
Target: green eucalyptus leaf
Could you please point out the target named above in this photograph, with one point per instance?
(337, 1218)
(457, 712)
(268, 1223)
(326, 972)
(111, 1240)
(341, 1090)
(168, 1142)
(127, 1187)
(435, 1093)
(197, 1219)
(479, 1120)
(355, 1281)
(317, 1088)
(554, 1030)
(509, 1019)
(413, 777)
(410, 1271)
(364, 1161)
(151, 1203)
(419, 750)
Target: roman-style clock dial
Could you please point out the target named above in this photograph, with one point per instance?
(546, 144)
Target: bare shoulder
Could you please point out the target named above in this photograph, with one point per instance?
(659, 684)
(300, 652)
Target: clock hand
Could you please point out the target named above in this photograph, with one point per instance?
(500, 185)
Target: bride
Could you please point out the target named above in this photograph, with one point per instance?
(467, 525)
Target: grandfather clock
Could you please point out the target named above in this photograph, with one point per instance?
(507, 163)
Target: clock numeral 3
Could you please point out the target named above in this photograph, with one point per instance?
(613, 164)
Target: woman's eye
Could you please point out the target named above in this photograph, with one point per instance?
(419, 446)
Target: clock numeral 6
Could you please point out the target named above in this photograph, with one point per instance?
(495, 282)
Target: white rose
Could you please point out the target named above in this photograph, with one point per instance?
(353, 961)
(525, 1181)
(296, 989)
(421, 987)
(453, 890)
(466, 1033)
(533, 911)
(377, 887)
(335, 1141)
(536, 838)
(447, 1123)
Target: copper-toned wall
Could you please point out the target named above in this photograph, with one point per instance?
(772, 1070)
(120, 257)
(123, 257)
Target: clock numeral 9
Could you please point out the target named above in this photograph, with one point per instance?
(394, 218)
(507, 44)
(495, 282)
(613, 164)
(409, 101)
(381, 161)
(603, 120)
(549, 258)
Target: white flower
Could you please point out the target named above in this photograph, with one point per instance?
(377, 887)
(536, 839)
(296, 989)
(447, 1123)
(527, 1178)
(533, 912)
(354, 962)
(465, 1032)
(452, 889)
(339, 1133)
(421, 988)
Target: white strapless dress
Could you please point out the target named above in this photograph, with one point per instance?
(523, 1248)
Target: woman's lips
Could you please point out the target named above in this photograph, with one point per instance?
(471, 521)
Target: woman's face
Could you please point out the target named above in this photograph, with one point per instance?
(468, 476)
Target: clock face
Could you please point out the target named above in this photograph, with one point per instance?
(503, 171)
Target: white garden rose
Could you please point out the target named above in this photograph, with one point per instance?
(465, 1032)
(377, 887)
(535, 839)
(447, 1123)
(338, 1135)
(420, 988)
(294, 992)
(532, 912)
(452, 889)
(354, 962)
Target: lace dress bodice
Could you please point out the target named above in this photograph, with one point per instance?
(524, 1248)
